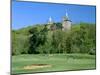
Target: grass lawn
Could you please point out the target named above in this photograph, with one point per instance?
(58, 62)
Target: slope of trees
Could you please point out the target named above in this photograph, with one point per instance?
(39, 39)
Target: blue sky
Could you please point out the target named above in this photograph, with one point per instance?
(30, 13)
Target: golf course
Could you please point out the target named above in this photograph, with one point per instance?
(33, 63)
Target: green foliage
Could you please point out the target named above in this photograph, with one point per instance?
(86, 37)
(39, 39)
(61, 41)
(19, 44)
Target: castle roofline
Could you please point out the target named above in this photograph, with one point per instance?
(68, 20)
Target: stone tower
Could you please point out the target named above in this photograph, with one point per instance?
(66, 23)
(51, 25)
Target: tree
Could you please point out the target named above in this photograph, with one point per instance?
(38, 38)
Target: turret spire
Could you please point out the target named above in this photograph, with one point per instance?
(50, 19)
(66, 14)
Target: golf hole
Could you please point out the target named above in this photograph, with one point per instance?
(36, 66)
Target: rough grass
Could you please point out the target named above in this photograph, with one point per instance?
(59, 62)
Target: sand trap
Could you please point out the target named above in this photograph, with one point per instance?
(35, 66)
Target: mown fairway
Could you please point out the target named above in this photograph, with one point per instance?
(58, 62)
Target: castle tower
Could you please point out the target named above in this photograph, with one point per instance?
(50, 21)
(51, 25)
(66, 24)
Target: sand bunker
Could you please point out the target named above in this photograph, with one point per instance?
(35, 66)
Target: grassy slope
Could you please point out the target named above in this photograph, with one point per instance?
(59, 62)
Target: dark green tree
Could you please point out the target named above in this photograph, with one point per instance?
(38, 38)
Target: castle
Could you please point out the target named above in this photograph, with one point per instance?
(66, 23)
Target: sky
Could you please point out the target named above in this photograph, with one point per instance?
(31, 13)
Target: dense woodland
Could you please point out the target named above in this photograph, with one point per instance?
(38, 39)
